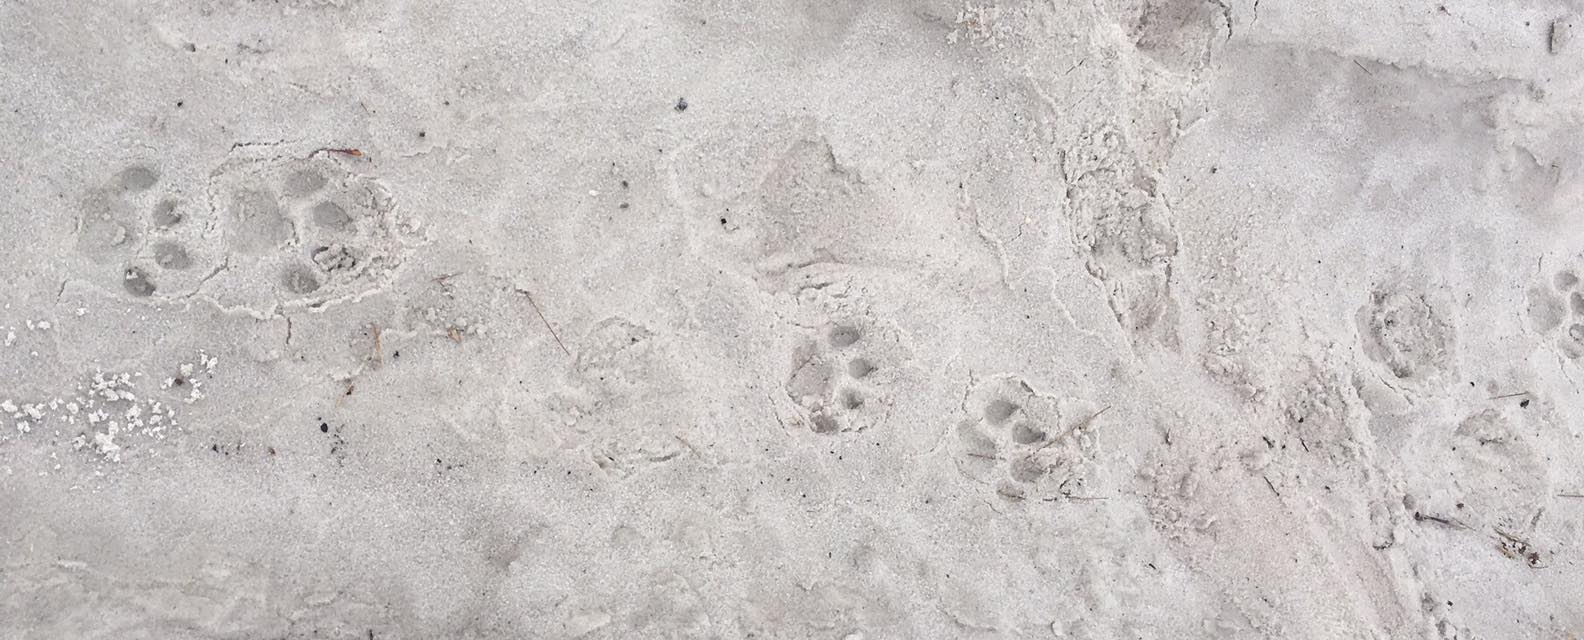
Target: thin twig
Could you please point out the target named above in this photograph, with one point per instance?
(689, 445)
(1082, 424)
(1072, 497)
(553, 334)
(1422, 517)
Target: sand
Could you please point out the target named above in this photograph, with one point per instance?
(792, 319)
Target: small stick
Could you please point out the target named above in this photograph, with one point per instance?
(1510, 395)
(1074, 429)
(689, 445)
(1272, 486)
(1509, 537)
(1421, 517)
(379, 347)
(1570, 495)
(535, 306)
(1067, 496)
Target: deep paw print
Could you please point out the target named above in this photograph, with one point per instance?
(1023, 443)
(301, 228)
(833, 380)
(1556, 311)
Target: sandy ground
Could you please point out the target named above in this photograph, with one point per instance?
(792, 319)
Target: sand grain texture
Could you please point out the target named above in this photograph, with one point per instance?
(791, 319)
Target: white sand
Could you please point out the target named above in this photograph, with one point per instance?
(1173, 319)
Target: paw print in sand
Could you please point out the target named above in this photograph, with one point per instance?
(833, 381)
(300, 229)
(1024, 443)
(1556, 311)
(1408, 331)
(140, 229)
(271, 229)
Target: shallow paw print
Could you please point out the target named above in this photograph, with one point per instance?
(1174, 498)
(135, 222)
(304, 227)
(1556, 311)
(858, 397)
(1407, 331)
(832, 379)
(1022, 443)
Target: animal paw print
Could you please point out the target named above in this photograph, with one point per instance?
(301, 229)
(1408, 332)
(135, 223)
(1023, 443)
(1556, 311)
(832, 381)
